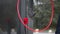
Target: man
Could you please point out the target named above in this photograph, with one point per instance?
(58, 26)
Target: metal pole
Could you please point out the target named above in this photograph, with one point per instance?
(23, 11)
(30, 14)
(21, 28)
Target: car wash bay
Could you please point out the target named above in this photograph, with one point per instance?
(9, 17)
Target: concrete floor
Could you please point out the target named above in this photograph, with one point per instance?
(43, 33)
(33, 33)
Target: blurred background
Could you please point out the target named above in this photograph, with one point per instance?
(37, 11)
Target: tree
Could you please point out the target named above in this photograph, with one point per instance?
(43, 14)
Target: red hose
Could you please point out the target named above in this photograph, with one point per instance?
(41, 30)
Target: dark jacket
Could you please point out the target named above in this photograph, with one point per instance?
(58, 26)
